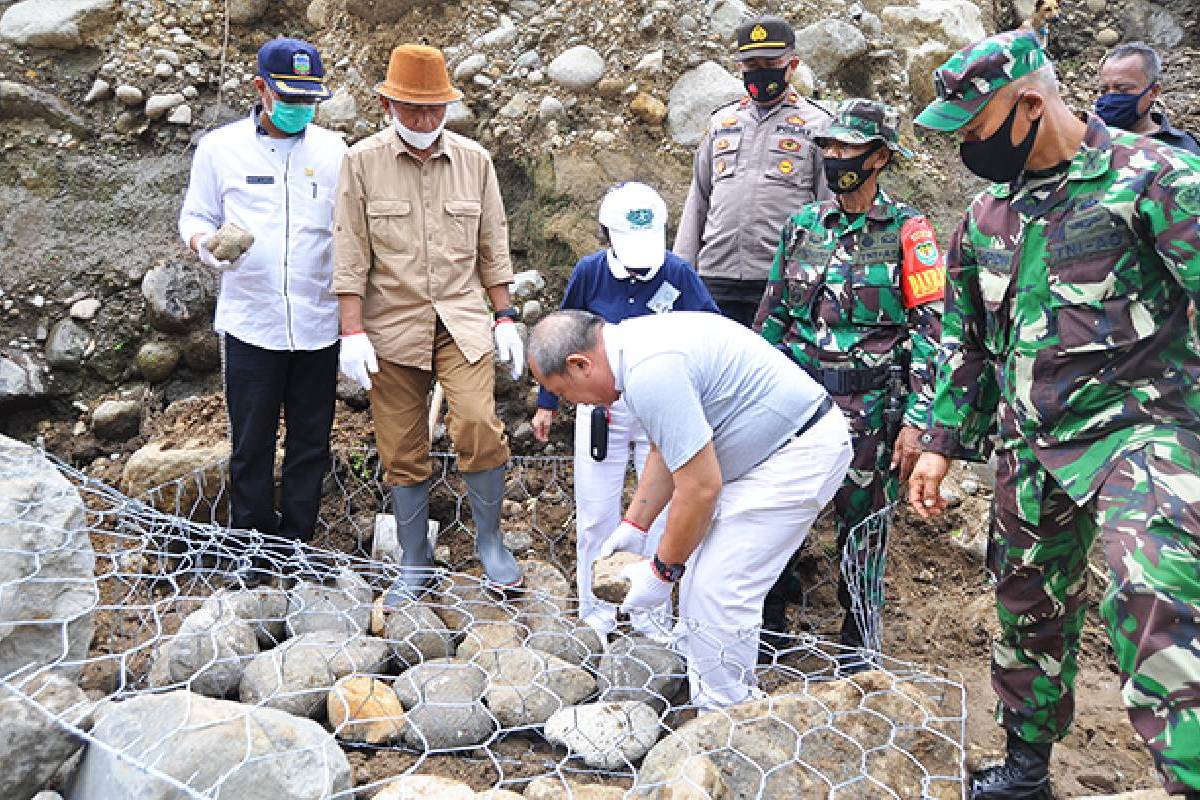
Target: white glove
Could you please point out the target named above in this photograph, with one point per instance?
(356, 359)
(212, 262)
(509, 347)
(627, 538)
(646, 590)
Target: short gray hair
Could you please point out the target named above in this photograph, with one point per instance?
(1151, 60)
(561, 335)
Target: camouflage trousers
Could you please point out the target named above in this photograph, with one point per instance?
(1147, 517)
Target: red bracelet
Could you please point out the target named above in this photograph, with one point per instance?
(634, 524)
(353, 333)
(504, 319)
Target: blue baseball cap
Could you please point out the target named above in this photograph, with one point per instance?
(292, 68)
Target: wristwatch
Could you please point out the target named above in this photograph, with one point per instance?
(507, 313)
(671, 573)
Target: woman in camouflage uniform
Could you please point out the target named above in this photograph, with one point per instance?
(855, 298)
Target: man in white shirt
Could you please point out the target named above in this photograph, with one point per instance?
(746, 448)
(273, 174)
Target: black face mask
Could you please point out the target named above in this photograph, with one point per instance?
(996, 158)
(764, 85)
(847, 174)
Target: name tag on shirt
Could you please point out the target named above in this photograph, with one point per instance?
(664, 299)
(260, 180)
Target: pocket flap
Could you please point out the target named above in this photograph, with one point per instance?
(462, 208)
(388, 208)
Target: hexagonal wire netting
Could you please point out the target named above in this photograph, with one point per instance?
(505, 690)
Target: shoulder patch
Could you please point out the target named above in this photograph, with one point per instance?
(922, 271)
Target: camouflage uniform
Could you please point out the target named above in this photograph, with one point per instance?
(1066, 322)
(850, 295)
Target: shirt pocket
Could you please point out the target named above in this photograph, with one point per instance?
(725, 156)
(875, 288)
(789, 160)
(392, 229)
(1086, 258)
(995, 273)
(805, 273)
(462, 228)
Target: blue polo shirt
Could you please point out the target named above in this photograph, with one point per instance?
(593, 287)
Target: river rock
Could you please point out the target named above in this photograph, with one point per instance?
(159, 105)
(696, 93)
(178, 296)
(208, 654)
(606, 735)
(636, 668)
(443, 701)
(578, 68)
(826, 45)
(527, 686)
(608, 583)
(244, 12)
(117, 420)
(343, 608)
(364, 709)
(263, 608)
(68, 344)
(957, 23)
(157, 360)
(229, 242)
(247, 752)
(426, 787)
(417, 634)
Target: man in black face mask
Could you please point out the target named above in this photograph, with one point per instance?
(755, 166)
(1130, 82)
(1065, 331)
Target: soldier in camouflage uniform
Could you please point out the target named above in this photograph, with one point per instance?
(855, 297)
(1066, 323)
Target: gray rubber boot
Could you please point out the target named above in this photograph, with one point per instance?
(485, 491)
(410, 505)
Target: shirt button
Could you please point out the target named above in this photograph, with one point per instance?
(631, 299)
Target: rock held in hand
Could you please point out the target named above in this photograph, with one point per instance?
(229, 242)
(608, 583)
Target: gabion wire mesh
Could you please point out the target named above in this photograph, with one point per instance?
(201, 688)
(863, 564)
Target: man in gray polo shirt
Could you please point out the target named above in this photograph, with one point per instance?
(746, 448)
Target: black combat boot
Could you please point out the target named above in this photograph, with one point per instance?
(1024, 775)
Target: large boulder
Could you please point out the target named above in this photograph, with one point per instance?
(32, 745)
(179, 477)
(218, 748)
(47, 581)
(955, 22)
(208, 654)
(864, 734)
(826, 45)
(178, 295)
(61, 24)
(693, 98)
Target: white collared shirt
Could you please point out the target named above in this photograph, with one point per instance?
(279, 297)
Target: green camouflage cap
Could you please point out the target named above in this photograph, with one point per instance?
(968, 80)
(860, 121)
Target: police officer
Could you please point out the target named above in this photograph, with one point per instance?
(1066, 322)
(855, 297)
(755, 166)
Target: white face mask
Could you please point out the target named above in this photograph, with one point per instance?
(417, 139)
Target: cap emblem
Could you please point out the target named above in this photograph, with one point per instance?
(758, 34)
(301, 63)
(640, 218)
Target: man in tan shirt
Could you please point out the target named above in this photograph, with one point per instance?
(419, 237)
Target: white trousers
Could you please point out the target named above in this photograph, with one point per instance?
(598, 489)
(760, 521)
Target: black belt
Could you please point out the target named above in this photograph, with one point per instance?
(821, 411)
(849, 381)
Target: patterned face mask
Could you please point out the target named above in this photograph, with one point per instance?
(766, 84)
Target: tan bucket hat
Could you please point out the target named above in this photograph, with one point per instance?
(417, 74)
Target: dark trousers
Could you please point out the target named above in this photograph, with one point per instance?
(258, 383)
(738, 300)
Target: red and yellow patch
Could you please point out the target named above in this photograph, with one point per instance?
(728, 122)
(923, 273)
(787, 167)
(791, 145)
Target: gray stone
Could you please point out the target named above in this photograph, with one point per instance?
(355, 655)
(159, 104)
(692, 99)
(157, 360)
(608, 583)
(216, 747)
(33, 746)
(543, 583)
(460, 118)
(687, 23)
(263, 608)
(443, 705)
(63, 24)
(19, 101)
(180, 115)
(21, 383)
(527, 686)
(244, 12)
(470, 66)
(527, 284)
(551, 108)
(725, 15)
(339, 111)
(1151, 23)
(85, 309)
(117, 420)
(503, 36)
(636, 668)
(578, 68)
(202, 350)
(229, 242)
(101, 90)
(529, 60)
(417, 634)
(163, 70)
(178, 295)
(957, 23)
(68, 344)
(606, 735)
(344, 608)
(389, 10)
(827, 45)
(490, 636)
(209, 653)
(290, 678)
(129, 95)
(563, 637)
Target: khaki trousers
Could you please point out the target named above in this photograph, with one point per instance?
(400, 410)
